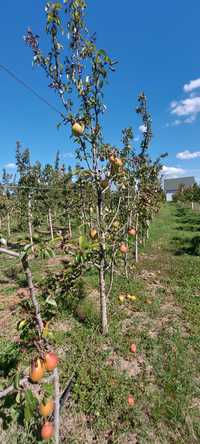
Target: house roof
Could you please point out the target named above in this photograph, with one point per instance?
(174, 184)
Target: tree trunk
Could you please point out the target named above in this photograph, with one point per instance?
(69, 227)
(30, 220)
(103, 301)
(111, 280)
(136, 240)
(57, 407)
(102, 286)
(8, 224)
(50, 224)
(192, 205)
(91, 217)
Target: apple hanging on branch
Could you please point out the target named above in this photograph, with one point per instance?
(78, 129)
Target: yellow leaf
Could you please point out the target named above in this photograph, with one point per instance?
(46, 330)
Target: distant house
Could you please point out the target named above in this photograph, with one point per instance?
(172, 185)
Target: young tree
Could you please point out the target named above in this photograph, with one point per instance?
(7, 200)
(78, 72)
(83, 70)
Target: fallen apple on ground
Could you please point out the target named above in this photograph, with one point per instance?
(133, 348)
(121, 298)
(131, 400)
(131, 297)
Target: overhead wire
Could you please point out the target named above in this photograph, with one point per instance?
(29, 187)
(29, 88)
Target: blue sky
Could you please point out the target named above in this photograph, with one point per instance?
(157, 46)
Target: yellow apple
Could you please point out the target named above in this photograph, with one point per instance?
(93, 233)
(116, 224)
(119, 162)
(121, 298)
(131, 297)
(78, 128)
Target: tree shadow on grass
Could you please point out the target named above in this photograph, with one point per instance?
(185, 245)
(188, 228)
(187, 218)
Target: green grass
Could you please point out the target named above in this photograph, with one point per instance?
(163, 376)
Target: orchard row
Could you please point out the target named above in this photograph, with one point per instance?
(99, 211)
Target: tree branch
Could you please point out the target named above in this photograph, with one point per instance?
(115, 215)
(23, 382)
(28, 273)
(9, 252)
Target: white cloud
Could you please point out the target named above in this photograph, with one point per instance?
(187, 107)
(184, 155)
(142, 128)
(174, 103)
(172, 172)
(10, 165)
(193, 84)
(176, 122)
(190, 119)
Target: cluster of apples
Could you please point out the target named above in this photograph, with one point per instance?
(116, 161)
(124, 247)
(46, 408)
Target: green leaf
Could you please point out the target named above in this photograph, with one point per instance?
(16, 381)
(30, 406)
(57, 5)
(25, 251)
(18, 398)
(102, 52)
(21, 324)
(83, 242)
(51, 301)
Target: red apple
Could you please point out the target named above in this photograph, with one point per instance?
(131, 400)
(47, 431)
(132, 231)
(123, 248)
(51, 361)
(133, 348)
